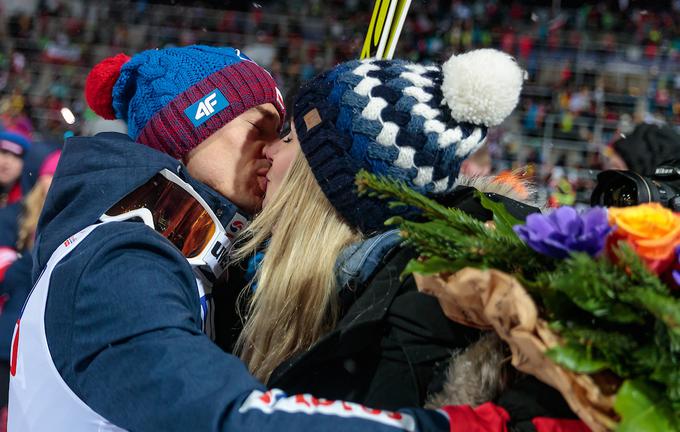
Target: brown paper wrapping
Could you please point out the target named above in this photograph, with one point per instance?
(490, 299)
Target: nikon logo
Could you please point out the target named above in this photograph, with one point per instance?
(664, 171)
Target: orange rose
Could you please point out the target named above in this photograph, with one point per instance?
(652, 230)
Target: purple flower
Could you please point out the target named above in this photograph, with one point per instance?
(676, 269)
(564, 231)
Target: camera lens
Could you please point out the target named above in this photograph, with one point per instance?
(620, 189)
(621, 195)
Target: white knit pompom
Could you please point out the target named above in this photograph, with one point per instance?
(482, 86)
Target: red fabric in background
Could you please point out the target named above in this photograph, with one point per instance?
(544, 424)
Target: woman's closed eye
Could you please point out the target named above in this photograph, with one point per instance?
(285, 130)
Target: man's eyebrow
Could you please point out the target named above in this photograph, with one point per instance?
(268, 114)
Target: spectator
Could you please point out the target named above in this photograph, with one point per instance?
(478, 164)
(13, 146)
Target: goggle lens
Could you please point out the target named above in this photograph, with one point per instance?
(176, 214)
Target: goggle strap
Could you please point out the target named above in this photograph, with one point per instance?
(216, 255)
(143, 213)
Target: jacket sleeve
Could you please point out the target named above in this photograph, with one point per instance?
(123, 326)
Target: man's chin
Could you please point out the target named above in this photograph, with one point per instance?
(252, 205)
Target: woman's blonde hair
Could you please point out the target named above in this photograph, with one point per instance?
(32, 207)
(295, 302)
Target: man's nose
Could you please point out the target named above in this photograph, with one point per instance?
(269, 150)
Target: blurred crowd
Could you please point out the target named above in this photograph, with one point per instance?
(594, 70)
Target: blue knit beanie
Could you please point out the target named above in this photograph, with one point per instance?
(173, 99)
(408, 121)
(14, 143)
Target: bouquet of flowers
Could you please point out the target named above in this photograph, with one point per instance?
(589, 303)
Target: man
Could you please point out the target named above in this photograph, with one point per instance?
(114, 335)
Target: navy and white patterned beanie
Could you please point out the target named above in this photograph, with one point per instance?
(411, 122)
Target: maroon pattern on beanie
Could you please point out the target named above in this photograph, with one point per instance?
(245, 85)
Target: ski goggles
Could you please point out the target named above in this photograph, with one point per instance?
(176, 211)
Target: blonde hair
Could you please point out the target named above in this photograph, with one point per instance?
(296, 301)
(32, 207)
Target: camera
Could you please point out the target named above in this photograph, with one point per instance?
(627, 188)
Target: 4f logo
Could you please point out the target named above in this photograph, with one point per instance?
(207, 107)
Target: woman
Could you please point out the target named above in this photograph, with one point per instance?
(330, 314)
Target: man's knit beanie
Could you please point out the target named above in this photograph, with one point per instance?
(415, 123)
(173, 99)
(648, 147)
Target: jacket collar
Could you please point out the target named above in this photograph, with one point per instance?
(359, 261)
